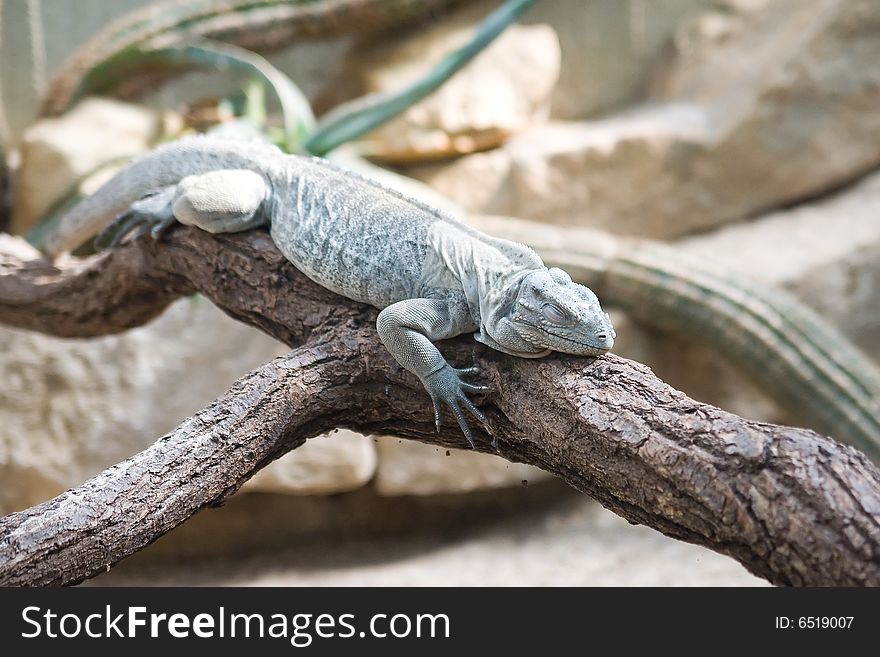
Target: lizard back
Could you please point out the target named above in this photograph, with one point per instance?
(351, 235)
(372, 244)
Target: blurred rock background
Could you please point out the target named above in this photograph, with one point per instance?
(744, 131)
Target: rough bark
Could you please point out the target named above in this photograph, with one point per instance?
(790, 505)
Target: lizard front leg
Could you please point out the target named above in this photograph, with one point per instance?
(407, 329)
(222, 201)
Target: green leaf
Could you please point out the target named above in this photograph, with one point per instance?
(358, 117)
(297, 117)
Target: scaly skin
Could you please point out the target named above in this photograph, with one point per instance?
(795, 355)
(110, 59)
(432, 276)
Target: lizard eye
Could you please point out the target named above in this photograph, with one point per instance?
(555, 314)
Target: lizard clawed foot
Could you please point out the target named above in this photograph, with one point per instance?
(150, 214)
(446, 386)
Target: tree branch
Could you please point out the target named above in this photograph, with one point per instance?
(790, 505)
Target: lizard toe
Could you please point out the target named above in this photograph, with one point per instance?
(446, 387)
(462, 421)
(468, 404)
(115, 231)
(161, 227)
(437, 412)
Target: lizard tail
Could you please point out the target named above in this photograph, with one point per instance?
(164, 166)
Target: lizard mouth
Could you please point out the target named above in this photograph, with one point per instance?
(586, 345)
(583, 348)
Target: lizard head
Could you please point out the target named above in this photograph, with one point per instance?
(551, 312)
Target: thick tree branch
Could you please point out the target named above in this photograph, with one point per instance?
(792, 506)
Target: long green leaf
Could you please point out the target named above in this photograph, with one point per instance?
(296, 113)
(358, 117)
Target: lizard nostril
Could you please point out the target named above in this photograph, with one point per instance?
(602, 336)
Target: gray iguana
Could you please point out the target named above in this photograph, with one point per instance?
(432, 276)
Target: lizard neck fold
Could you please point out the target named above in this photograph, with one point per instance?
(489, 272)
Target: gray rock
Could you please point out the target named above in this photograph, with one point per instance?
(766, 104)
(617, 174)
(790, 87)
(501, 92)
(407, 467)
(57, 154)
(826, 252)
(328, 464)
(608, 49)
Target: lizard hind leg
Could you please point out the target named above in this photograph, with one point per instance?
(151, 213)
(222, 201)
